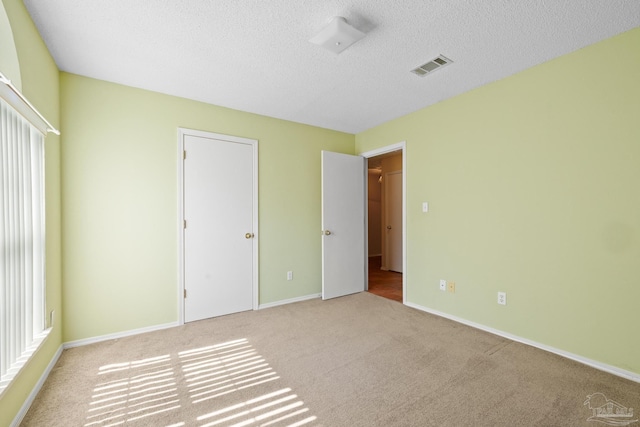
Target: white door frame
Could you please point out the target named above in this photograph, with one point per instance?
(180, 226)
(400, 146)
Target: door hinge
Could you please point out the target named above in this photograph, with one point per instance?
(184, 224)
(185, 293)
(184, 155)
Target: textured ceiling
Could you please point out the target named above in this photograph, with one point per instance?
(255, 56)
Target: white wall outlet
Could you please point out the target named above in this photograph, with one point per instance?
(289, 275)
(425, 206)
(443, 285)
(502, 298)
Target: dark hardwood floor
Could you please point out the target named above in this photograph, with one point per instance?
(387, 284)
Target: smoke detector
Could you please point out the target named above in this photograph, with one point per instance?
(337, 36)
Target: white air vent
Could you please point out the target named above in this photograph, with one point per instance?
(431, 66)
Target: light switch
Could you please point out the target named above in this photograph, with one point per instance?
(425, 206)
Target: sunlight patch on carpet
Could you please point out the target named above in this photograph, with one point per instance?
(200, 381)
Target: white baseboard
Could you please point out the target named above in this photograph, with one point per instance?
(288, 301)
(36, 389)
(108, 337)
(633, 376)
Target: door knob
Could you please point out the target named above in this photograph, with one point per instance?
(327, 233)
(388, 227)
(248, 235)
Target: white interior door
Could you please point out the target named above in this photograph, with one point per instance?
(393, 216)
(343, 224)
(219, 245)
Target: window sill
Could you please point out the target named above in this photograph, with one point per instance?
(22, 361)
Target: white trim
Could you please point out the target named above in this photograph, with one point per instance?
(108, 337)
(365, 207)
(289, 301)
(180, 225)
(182, 132)
(633, 376)
(399, 146)
(36, 389)
(256, 222)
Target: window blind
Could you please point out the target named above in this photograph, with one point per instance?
(22, 236)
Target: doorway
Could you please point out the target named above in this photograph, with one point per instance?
(386, 218)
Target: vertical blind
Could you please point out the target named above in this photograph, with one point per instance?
(22, 233)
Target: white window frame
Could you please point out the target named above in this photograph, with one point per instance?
(22, 231)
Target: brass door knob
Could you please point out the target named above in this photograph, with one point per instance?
(327, 233)
(248, 235)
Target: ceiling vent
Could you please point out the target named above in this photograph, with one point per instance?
(431, 66)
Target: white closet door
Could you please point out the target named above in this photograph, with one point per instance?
(219, 247)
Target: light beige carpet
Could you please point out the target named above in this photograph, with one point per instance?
(359, 360)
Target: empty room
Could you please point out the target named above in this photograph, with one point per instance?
(188, 229)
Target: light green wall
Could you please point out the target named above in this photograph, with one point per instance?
(120, 202)
(9, 63)
(39, 76)
(532, 184)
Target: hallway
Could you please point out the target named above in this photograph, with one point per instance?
(387, 284)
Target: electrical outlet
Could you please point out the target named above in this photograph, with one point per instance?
(502, 298)
(289, 275)
(443, 285)
(451, 287)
